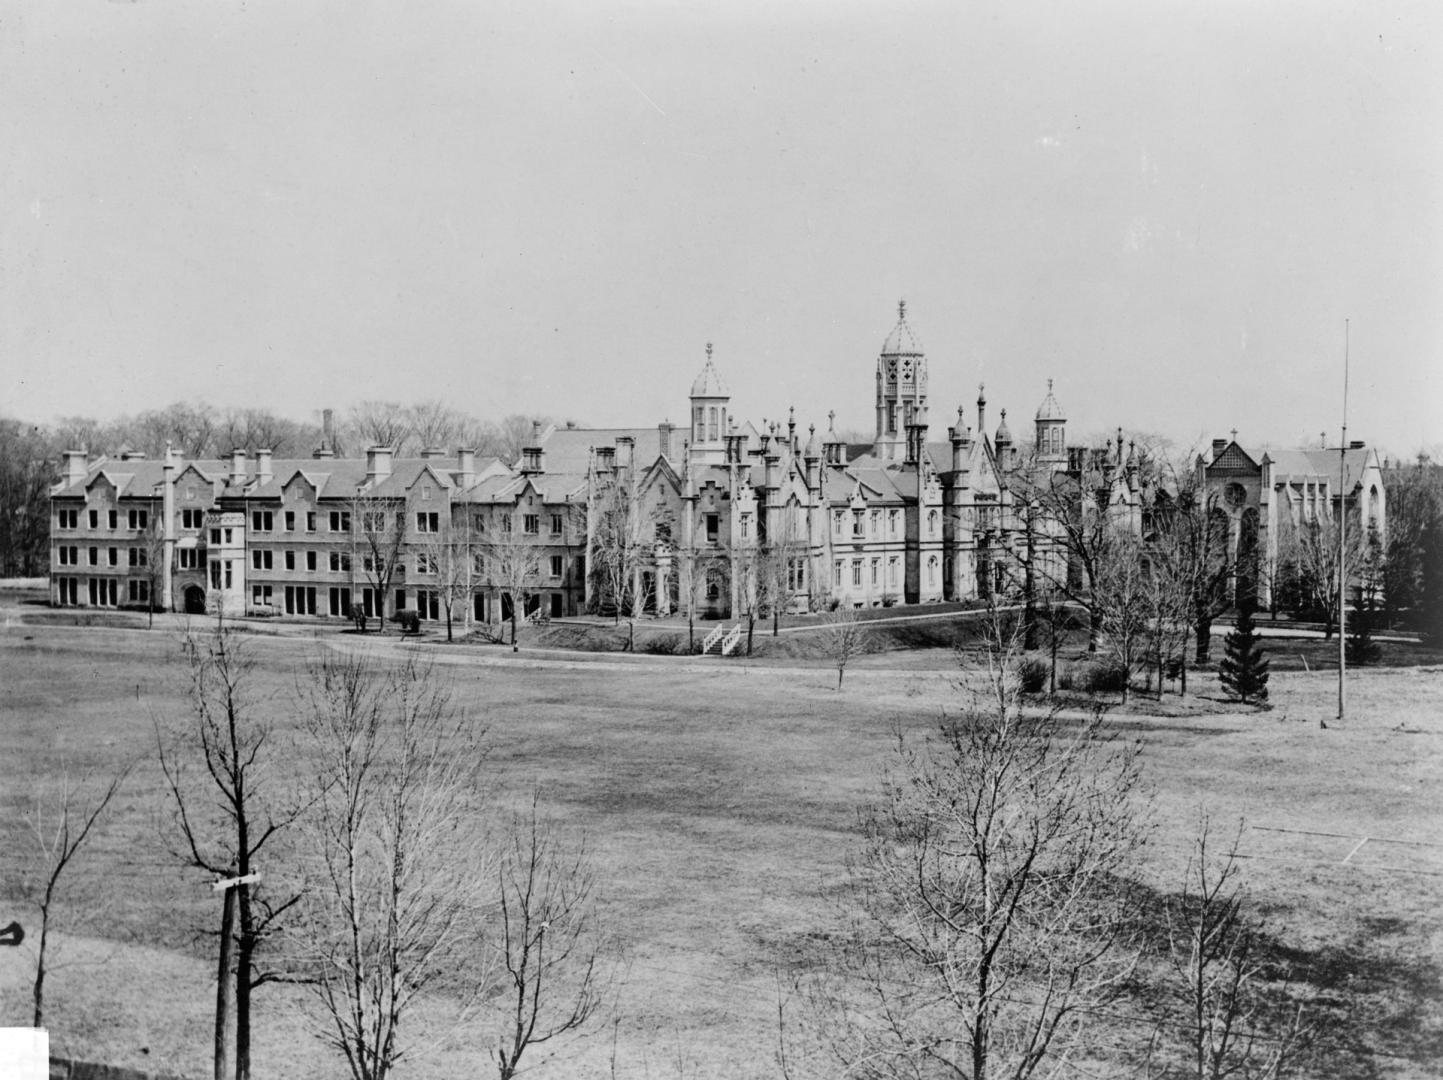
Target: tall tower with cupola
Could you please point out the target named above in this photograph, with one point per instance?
(1051, 431)
(901, 388)
(709, 401)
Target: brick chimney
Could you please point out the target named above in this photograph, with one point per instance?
(263, 466)
(237, 467)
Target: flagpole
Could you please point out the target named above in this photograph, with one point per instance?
(1342, 539)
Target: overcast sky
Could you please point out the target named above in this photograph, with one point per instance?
(1169, 208)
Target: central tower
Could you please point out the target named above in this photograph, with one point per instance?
(901, 388)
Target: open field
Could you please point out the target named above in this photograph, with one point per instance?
(720, 801)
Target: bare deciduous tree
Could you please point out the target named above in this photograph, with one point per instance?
(1310, 551)
(450, 559)
(621, 537)
(1062, 511)
(513, 433)
(990, 881)
(1232, 1024)
(551, 948)
(60, 829)
(152, 550)
(396, 904)
(843, 636)
(381, 423)
(776, 565)
(379, 532)
(237, 805)
(512, 558)
(1123, 600)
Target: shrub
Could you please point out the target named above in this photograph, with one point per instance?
(1031, 675)
(664, 645)
(410, 621)
(1099, 677)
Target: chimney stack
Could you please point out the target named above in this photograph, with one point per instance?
(1219, 445)
(466, 466)
(378, 464)
(237, 467)
(263, 466)
(76, 466)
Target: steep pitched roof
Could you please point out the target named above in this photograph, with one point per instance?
(569, 449)
(1233, 460)
(1319, 464)
(553, 487)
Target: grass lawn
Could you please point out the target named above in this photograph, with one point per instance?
(719, 802)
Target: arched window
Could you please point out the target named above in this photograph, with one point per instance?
(932, 572)
(932, 523)
(1372, 508)
(698, 424)
(711, 424)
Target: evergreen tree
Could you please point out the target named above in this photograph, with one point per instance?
(1362, 650)
(1244, 667)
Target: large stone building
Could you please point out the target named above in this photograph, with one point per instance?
(719, 518)
(1263, 497)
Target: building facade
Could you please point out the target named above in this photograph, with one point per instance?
(718, 518)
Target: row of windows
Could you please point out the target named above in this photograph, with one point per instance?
(70, 556)
(306, 600)
(134, 519)
(102, 592)
(862, 519)
(265, 521)
(340, 562)
(873, 572)
(893, 572)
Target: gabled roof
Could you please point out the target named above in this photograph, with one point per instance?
(569, 449)
(1233, 460)
(1321, 465)
(553, 487)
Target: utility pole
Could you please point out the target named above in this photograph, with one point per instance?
(226, 886)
